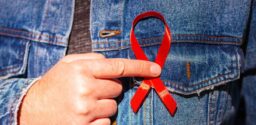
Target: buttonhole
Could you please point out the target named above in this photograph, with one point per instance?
(188, 70)
(109, 33)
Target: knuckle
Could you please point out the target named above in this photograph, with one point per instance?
(84, 88)
(75, 66)
(86, 91)
(140, 67)
(119, 67)
(83, 85)
(84, 108)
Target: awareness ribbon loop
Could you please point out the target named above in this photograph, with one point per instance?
(162, 54)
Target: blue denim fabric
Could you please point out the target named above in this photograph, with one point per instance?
(203, 68)
(249, 86)
(33, 37)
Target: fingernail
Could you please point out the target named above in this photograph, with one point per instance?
(155, 69)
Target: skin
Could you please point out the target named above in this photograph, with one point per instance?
(79, 90)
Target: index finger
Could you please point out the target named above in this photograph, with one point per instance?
(116, 68)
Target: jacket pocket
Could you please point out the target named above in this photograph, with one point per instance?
(13, 56)
(191, 68)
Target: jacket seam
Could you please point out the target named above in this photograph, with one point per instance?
(29, 32)
(199, 36)
(200, 82)
(29, 36)
(95, 49)
(199, 89)
(96, 44)
(9, 68)
(174, 40)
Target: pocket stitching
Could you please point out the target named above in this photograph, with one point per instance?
(9, 68)
(19, 68)
(207, 83)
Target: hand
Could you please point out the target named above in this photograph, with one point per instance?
(79, 90)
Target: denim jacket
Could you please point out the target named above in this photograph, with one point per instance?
(33, 37)
(203, 70)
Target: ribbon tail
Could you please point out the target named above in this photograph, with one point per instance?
(140, 96)
(169, 103)
(165, 96)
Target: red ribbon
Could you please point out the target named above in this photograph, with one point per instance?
(155, 83)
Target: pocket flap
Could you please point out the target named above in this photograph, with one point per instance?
(192, 68)
(13, 56)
